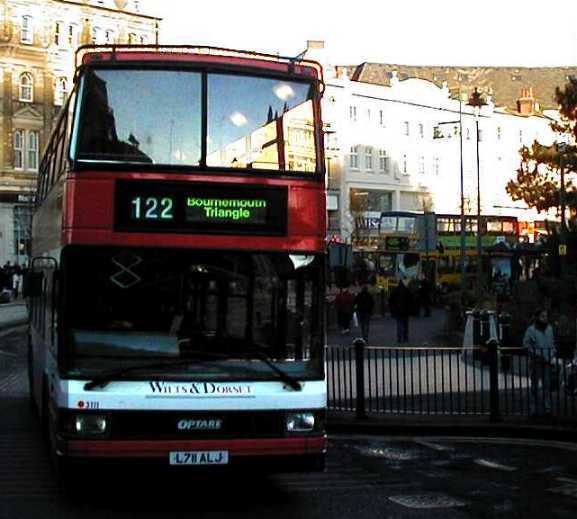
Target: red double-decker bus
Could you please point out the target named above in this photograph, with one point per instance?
(177, 284)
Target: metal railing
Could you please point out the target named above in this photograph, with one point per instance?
(490, 380)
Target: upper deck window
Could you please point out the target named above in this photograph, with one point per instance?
(156, 117)
(150, 117)
(260, 123)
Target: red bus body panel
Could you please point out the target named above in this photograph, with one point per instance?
(91, 221)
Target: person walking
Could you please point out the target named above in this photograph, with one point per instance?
(425, 290)
(539, 343)
(16, 282)
(364, 304)
(344, 307)
(401, 305)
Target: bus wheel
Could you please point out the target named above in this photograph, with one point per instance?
(60, 465)
(44, 414)
(31, 395)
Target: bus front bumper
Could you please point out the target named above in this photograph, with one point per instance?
(309, 450)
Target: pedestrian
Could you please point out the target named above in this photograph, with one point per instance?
(16, 279)
(425, 290)
(401, 305)
(539, 343)
(364, 304)
(3, 278)
(344, 307)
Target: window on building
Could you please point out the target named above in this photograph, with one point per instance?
(480, 135)
(521, 136)
(22, 228)
(18, 149)
(468, 134)
(26, 32)
(369, 158)
(371, 200)
(60, 91)
(97, 35)
(368, 114)
(354, 157)
(58, 33)
(381, 117)
(421, 130)
(437, 133)
(353, 113)
(143, 40)
(109, 36)
(26, 88)
(132, 38)
(26, 146)
(436, 166)
(71, 37)
(32, 151)
(405, 164)
(406, 128)
(499, 133)
(422, 164)
(383, 161)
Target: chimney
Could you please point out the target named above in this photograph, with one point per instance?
(526, 103)
(315, 44)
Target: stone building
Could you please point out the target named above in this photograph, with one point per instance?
(393, 137)
(38, 39)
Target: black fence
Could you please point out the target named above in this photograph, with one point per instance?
(492, 381)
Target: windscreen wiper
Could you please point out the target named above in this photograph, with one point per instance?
(285, 377)
(262, 356)
(103, 379)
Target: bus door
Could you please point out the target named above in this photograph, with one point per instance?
(41, 289)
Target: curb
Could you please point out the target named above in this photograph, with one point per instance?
(401, 426)
(13, 324)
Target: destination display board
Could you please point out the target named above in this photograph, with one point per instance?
(397, 243)
(150, 206)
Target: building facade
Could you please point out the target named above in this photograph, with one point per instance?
(38, 40)
(396, 145)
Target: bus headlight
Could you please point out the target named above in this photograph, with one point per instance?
(90, 424)
(300, 422)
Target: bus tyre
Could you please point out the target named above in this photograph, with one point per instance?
(44, 414)
(30, 371)
(59, 463)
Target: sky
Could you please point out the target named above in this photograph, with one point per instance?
(411, 32)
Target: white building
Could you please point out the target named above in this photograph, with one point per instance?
(397, 147)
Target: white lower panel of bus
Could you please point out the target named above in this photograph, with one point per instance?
(165, 395)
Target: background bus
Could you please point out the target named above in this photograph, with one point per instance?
(404, 242)
(495, 230)
(177, 286)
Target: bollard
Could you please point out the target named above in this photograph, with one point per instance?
(360, 345)
(493, 354)
(504, 320)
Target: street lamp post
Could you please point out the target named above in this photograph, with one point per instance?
(462, 196)
(476, 101)
(562, 148)
(462, 208)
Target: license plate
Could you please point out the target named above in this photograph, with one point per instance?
(199, 458)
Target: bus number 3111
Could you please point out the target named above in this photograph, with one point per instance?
(152, 208)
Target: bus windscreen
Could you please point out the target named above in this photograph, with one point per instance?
(123, 305)
(155, 117)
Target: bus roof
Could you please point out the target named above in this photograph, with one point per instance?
(90, 54)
